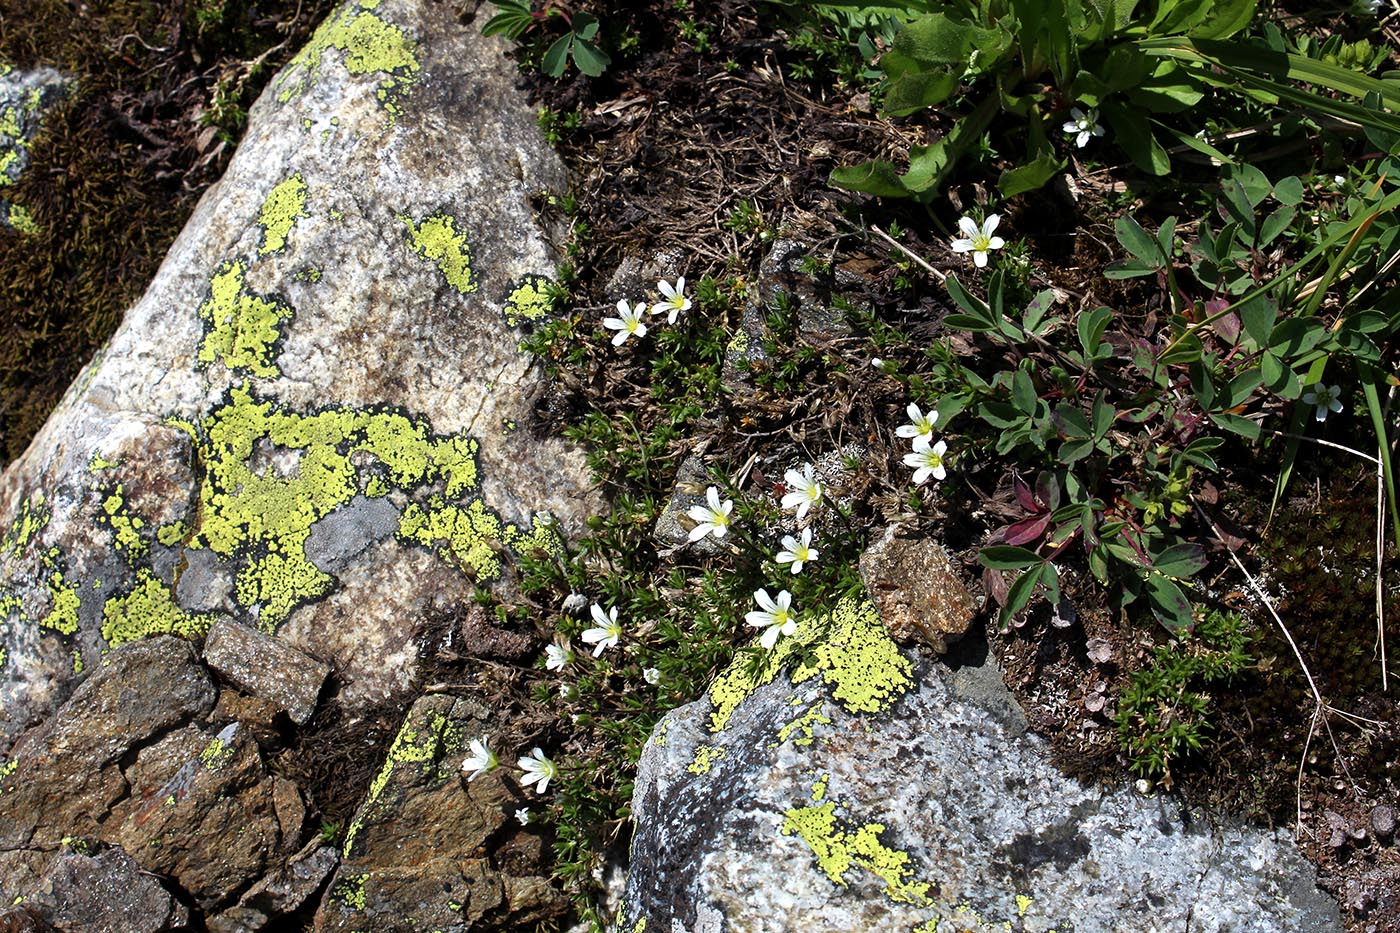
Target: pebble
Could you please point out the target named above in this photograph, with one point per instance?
(1383, 822)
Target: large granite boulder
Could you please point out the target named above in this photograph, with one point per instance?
(316, 419)
(850, 788)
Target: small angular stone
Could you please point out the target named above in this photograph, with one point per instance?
(916, 589)
(1383, 822)
(265, 667)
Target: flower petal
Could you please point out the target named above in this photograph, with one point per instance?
(968, 226)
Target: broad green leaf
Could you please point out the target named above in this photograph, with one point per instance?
(1180, 560)
(512, 19)
(556, 58)
(590, 59)
(938, 39)
(1137, 241)
(1289, 191)
(1104, 415)
(1072, 422)
(1258, 316)
(1184, 350)
(585, 26)
(1030, 176)
(1036, 309)
(1091, 325)
(1234, 423)
(876, 177)
(1020, 593)
(1170, 89)
(1023, 392)
(1134, 135)
(968, 322)
(1224, 18)
(918, 90)
(1295, 336)
(1169, 604)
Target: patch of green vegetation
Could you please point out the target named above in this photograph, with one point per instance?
(1165, 712)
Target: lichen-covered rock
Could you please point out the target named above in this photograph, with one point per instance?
(916, 589)
(204, 812)
(62, 778)
(853, 790)
(265, 667)
(313, 420)
(430, 850)
(25, 96)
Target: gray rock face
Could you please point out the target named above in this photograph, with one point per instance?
(309, 422)
(862, 793)
(105, 893)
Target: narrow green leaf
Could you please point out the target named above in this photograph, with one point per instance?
(1020, 594)
(556, 58)
(1234, 423)
(1007, 557)
(1091, 325)
(1137, 241)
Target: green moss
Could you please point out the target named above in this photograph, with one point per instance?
(125, 527)
(280, 211)
(531, 299)
(841, 847)
(848, 648)
(148, 609)
(241, 329)
(436, 239)
(368, 45)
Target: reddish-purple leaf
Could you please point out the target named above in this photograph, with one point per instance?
(1027, 529)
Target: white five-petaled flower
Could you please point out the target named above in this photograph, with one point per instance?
(628, 323)
(558, 657)
(978, 240)
(798, 552)
(652, 676)
(711, 519)
(920, 424)
(606, 633)
(568, 692)
(538, 769)
(1327, 399)
(805, 491)
(1083, 125)
(927, 461)
(523, 815)
(675, 302)
(481, 760)
(774, 616)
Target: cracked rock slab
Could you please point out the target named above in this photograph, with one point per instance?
(266, 668)
(808, 801)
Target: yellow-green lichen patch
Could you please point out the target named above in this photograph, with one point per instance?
(468, 536)
(531, 299)
(738, 343)
(22, 220)
(99, 462)
(367, 45)
(414, 745)
(125, 527)
(705, 758)
(241, 329)
(841, 847)
(148, 609)
(33, 516)
(542, 540)
(216, 754)
(260, 515)
(62, 616)
(803, 724)
(849, 649)
(437, 240)
(284, 204)
(351, 891)
(172, 534)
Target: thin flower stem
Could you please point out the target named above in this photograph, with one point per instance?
(912, 256)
